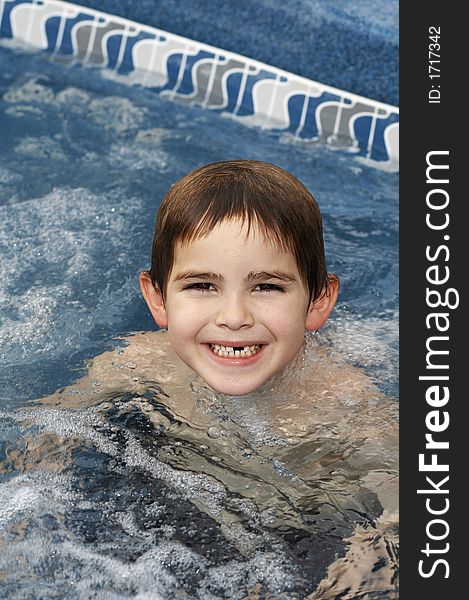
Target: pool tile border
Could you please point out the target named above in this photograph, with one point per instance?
(194, 73)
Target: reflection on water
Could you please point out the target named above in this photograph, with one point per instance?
(123, 486)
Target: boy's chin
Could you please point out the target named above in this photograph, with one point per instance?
(236, 390)
(237, 387)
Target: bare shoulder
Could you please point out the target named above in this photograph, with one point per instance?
(331, 395)
(137, 359)
(329, 375)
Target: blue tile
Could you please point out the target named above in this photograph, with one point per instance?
(247, 104)
(310, 128)
(378, 149)
(66, 46)
(5, 24)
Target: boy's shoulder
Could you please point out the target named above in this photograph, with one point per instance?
(137, 360)
(146, 356)
(327, 388)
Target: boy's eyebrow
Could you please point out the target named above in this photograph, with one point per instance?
(253, 275)
(193, 274)
(270, 275)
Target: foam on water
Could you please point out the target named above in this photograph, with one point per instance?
(38, 501)
(369, 343)
(50, 246)
(116, 114)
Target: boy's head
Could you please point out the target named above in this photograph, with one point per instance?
(238, 271)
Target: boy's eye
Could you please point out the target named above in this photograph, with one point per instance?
(202, 286)
(268, 287)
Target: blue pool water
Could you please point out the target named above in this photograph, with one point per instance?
(93, 502)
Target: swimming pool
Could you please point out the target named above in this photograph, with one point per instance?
(95, 502)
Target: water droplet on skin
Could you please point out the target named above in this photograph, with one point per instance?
(214, 432)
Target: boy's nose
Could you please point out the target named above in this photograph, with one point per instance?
(234, 313)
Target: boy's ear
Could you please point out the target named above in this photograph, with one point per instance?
(154, 300)
(320, 309)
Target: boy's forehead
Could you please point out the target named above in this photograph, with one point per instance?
(233, 246)
(248, 232)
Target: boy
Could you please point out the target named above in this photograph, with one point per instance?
(237, 275)
(238, 272)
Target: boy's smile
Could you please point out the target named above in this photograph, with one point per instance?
(235, 307)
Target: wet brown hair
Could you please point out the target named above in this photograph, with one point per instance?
(257, 193)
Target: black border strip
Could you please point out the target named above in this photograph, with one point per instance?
(432, 120)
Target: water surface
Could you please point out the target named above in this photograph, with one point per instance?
(139, 486)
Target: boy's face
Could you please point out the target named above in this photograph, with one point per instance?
(235, 308)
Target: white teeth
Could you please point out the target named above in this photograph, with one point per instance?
(230, 352)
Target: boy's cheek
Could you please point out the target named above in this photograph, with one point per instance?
(185, 314)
